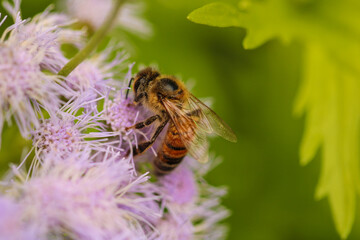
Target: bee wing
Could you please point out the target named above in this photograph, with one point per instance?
(193, 138)
(194, 121)
(209, 121)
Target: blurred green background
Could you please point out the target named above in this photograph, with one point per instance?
(270, 195)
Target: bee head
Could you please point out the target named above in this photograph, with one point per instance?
(142, 80)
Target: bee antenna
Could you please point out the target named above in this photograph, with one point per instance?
(129, 87)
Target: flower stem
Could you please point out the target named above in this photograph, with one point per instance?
(93, 42)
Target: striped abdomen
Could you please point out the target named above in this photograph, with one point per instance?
(171, 153)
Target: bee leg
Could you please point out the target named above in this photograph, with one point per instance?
(145, 145)
(145, 123)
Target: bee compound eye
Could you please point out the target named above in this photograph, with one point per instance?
(136, 85)
(169, 84)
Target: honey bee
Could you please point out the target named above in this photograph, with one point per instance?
(190, 120)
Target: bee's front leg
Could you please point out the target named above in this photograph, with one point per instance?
(145, 145)
(145, 123)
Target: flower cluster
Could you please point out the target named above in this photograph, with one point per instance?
(129, 17)
(80, 180)
(28, 49)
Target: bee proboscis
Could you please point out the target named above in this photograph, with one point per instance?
(190, 120)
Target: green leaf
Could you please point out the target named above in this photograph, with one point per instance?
(329, 31)
(216, 14)
(331, 100)
(263, 21)
(309, 20)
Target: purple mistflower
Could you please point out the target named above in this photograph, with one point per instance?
(169, 228)
(57, 135)
(64, 133)
(129, 16)
(120, 113)
(94, 77)
(88, 200)
(193, 207)
(11, 222)
(24, 88)
(70, 131)
(45, 33)
(180, 185)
